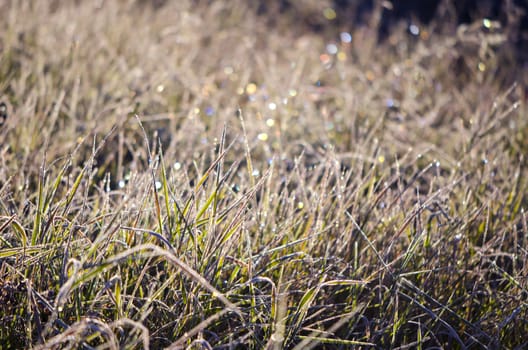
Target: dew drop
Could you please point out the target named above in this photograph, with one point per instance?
(345, 37)
(414, 29)
(272, 106)
(121, 183)
(209, 111)
(270, 122)
(263, 136)
(325, 59)
(329, 13)
(251, 88)
(332, 49)
(177, 166)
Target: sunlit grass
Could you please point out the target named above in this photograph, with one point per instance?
(200, 176)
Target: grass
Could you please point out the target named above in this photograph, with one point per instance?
(197, 176)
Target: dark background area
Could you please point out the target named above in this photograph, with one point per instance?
(512, 14)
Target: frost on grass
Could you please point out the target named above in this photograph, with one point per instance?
(192, 174)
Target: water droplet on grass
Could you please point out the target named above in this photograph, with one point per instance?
(324, 58)
(332, 49)
(345, 37)
(329, 13)
(251, 88)
(414, 29)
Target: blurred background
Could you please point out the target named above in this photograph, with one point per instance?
(512, 14)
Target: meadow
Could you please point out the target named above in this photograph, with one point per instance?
(202, 175)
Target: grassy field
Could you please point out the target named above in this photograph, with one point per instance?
(200, 176)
